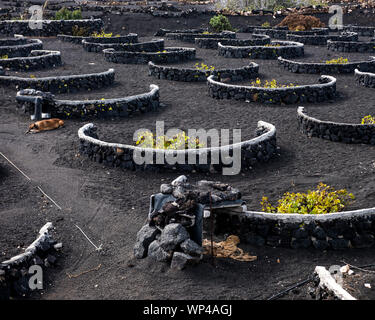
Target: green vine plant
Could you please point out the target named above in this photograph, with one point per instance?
(147, 139)
(102, 34)
(220, 23)
(270, 84)
(272, 45)
(321, 201)
(66, 14)
(266, 24)
(368, 120)
(340, 60)
(4, 57)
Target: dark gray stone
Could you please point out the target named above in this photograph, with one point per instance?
(172, 235)
(145, 236)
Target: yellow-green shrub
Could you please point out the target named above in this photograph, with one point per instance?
(340, 60)
(368, 120)
(269, 84)
(146, 139)
(323, 200)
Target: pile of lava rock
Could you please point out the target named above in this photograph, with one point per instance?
(173, 233)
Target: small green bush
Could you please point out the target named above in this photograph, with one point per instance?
(220, 23)
(368, 120)
(323, 200)
(66, 14)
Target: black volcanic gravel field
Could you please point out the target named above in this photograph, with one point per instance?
(111, 204)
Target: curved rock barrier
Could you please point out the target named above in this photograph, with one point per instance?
(361, 30)
(171, 54)
(351, 46)
(193, 75)
(321, 40)
(190, 37)
(287, 49)
(162, 32)
(340, 230)
(2, 72)
(283, 33)
(49, 27)
(314, 67)
(62, 84)
(365, 79)
(130, 38)
(86, 109)
(325, 90)
(212, 43)
(14, 272)
(256, 150)
(150, 46)
(38, 59)
(335, 131)
(12, 49)
(251, 29)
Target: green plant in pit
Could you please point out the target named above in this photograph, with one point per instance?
(66, 14)
(368, 120)
(180, 141)
(102, 34)
(206, 32)
(272, 45)
(340, 60)
(269, 84)
(4, 57)
(220, 23)
(266, 24)
(323, 200)
(80, 31)
(204, 67)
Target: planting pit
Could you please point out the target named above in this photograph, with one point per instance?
(286, 49)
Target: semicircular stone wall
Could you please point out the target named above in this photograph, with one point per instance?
(313, 67)
(149, 46)
(351, 46)
(314, 93)
(257, 150)
(87, 109)
(38, 59)
(17, 48)
(193, 75)
(171, 54)
(342, 230)
(62, 84)
(49, 28)
(287, 49)
(335, 131)
(130, 38)
(366, 79)
(212, 43)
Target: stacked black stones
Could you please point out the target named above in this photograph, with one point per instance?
(62, 84)
(338, 132)
(310, 67)
(194, 75)
(252, 29)
(325, 90)
(38, 59)
(286, 49)
(130, 38)
(88, 109)
(19, 47)
(168, 235)
(49, 28)
(150, 46)
(351, 46)
(14, 273)
(162, 32)
(119, 155)
(190, 37)
(283, 33)
(333, 231)
(212, 43)
(171, 54)
(365, 79)
(319, 40)
(363, 31)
